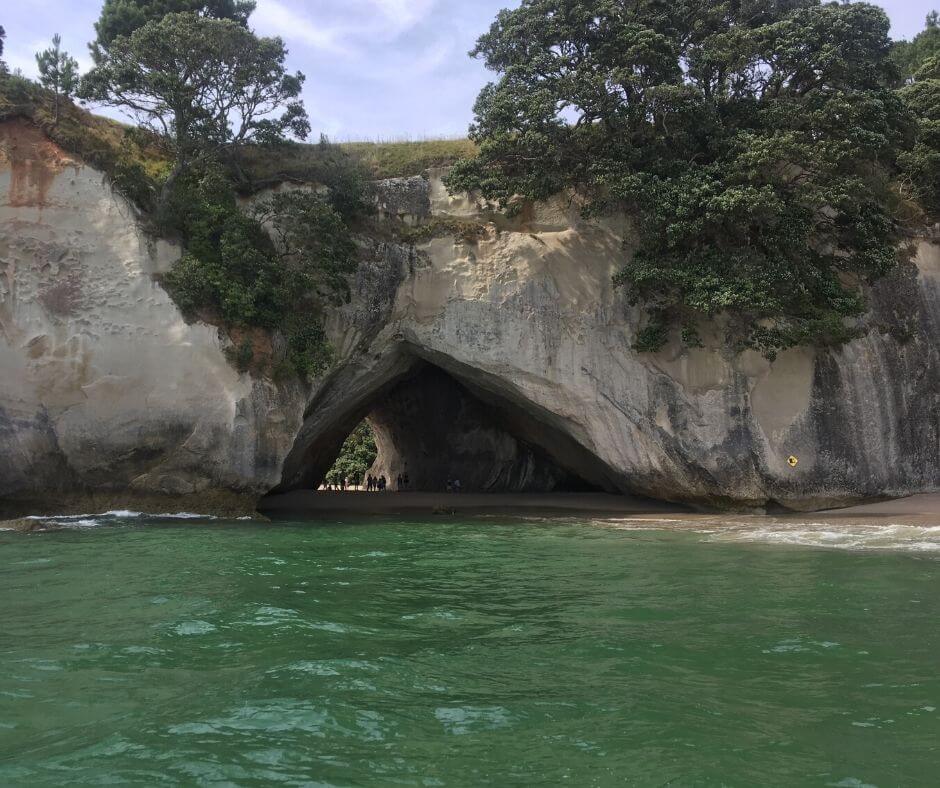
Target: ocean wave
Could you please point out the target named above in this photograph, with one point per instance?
(109, 518)
(841, 536)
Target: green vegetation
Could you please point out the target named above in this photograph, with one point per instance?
(134, 160)
(756, 143)
(356, 457)
(439, 227)
(910, 56)
(236, 273)
(769, 149)
(919, 61)
(404, 159)
(206, 86)
(123, 17)
(208, 89)
(58, 73)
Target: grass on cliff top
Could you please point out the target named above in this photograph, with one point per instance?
(402, 159)
(132, 156)
(305, 162)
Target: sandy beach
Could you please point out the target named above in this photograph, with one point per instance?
(313, 504)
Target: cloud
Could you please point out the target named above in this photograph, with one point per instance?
(400, 16)
(273, 17)
(343, 26)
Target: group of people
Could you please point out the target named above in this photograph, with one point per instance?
(380, 484)
(376, 484)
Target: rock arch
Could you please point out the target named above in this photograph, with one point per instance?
(436, 418)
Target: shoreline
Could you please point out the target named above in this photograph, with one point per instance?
(921, 510)
(363, 504)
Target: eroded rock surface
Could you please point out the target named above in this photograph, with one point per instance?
(105, 389)
(528, 318)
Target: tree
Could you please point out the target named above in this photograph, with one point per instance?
(754, 141)
(921, 164)
(206, 86)
(356, 457)
(919, 65)
(58, 72)
(123, 17)
(911, 55)
(236, 272)
(317, 253)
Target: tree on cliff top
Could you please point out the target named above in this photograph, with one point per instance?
(910, 56)
(755, 141)
(123, 17)
(206, 86)
(58, 73)
(920, 60)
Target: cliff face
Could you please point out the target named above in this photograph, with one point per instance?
(105, 390)
(526, 319)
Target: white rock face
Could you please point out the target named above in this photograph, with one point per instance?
(527, 319)
(103, 385)
(105, 389)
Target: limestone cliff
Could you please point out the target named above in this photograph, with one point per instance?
(105, 390)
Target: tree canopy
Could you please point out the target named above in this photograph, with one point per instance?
(356, 457)
(911, 55)
(204, 85)
(123, 17)
(919, 61)
(58, 73)
(754, 141)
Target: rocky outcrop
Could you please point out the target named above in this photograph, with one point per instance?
(527, 320)
(105, 390)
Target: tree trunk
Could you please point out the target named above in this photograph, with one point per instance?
(171, 179)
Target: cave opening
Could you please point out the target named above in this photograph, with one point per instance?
(435, 424)
(430, 433)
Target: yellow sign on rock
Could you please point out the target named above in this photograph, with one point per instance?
(792, 461)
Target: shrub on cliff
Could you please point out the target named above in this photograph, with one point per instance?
(237, 273)
(755, 142)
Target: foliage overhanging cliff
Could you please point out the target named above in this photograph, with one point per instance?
(764, 147)
(771, 153)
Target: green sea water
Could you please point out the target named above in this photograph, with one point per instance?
(468, 652)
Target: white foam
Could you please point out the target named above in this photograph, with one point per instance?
(109, 517)
(841, 536)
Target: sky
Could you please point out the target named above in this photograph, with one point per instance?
(376, 69)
